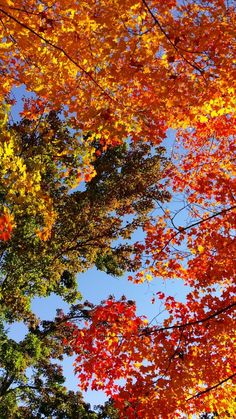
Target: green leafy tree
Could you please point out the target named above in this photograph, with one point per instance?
(90, 227)
(107, 411)
(32, 382)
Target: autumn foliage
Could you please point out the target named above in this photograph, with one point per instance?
(169, 362)
(109, 81)
(6, 225)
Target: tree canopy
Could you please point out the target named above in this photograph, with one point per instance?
(88, 163)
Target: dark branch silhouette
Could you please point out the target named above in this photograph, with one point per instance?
(212, 387)
(196, 67)
(60, 49)
(148, 331)
(203, 220)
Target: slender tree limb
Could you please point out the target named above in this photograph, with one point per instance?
(7, 382)
(20, 10)
(211, 388)
(203, 220)
(146, 331)
(60, 49)
(196, 67)
(192, 323)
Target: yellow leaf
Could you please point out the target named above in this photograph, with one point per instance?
(200, 248)
(203, 118)
(149, 277)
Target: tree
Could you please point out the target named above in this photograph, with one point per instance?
(123, 73)
(80, 225)
(107, 411)
(186, 361)
(31, 383)
(172, 369)
(123, 68)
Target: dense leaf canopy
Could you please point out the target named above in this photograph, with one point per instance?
(84, 168)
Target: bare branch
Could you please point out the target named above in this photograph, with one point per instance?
(146, 331)
(203, 220)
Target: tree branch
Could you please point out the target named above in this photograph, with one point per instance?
(196, 67)
(60, 49)
(182, 229)
(192, 323)
(212, 387)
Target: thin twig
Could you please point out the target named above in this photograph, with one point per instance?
(182, 229)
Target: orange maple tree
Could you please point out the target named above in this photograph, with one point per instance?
(122, 68)
(132, 69)
(185, 365)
